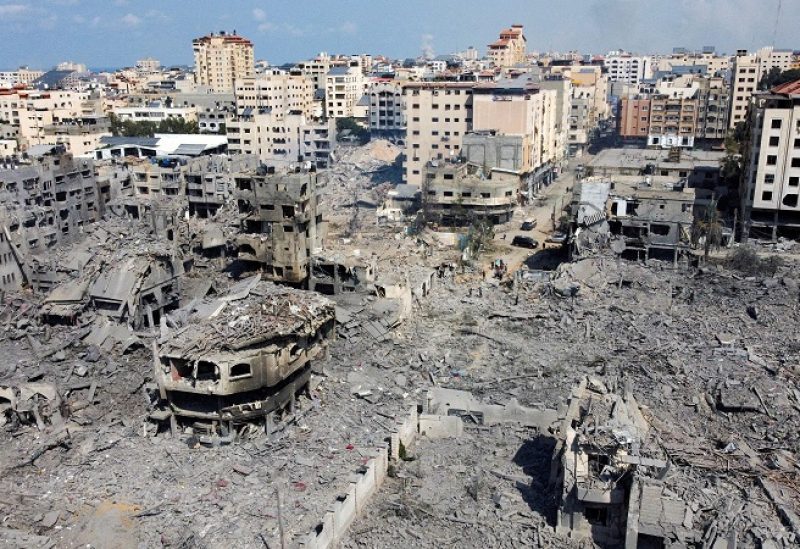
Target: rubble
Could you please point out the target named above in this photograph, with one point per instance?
(602, 402)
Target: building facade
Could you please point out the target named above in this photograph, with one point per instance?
(510, 49)
(281, 223)
(771, 186)
(386, 113)
(438, 114)
(221, 60)
(344, 88)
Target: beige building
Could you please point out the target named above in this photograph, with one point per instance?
(588, 101)
(36, 117)
(520, 108)
(747, 71)
(457, 193)
(715, 64)
(510, 49)
(438, 114)
(275, 90)
(344, 88)
(315, 70)
(771, 186)
(221, 60)
(282, 140)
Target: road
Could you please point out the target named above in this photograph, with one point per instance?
(555, 196)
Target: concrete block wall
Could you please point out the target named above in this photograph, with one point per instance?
(366, 481)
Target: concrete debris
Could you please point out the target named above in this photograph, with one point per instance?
(158, 388)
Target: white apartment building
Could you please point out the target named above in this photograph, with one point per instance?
(156, 113)
(282, 140)
(624, 67)
(344, 88)
(316, 70)
(275, 90)
(22, 75)
(747, 71)
(771, 187)
(148, 65)
(386, 107)
(220, 60)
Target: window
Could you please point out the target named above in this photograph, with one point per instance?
(774, 141)
(766, 195)
(776, 124)
(797, 143)
(794, 181)
(769, 179)
(795, 162)
(772, 160)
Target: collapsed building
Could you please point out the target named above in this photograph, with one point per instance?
(612, 469)
(637, 221)
(281, 223)
(240, 357)
(457, 193)
(47, 199)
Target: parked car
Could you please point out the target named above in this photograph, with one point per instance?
(528, 225)
(558, 237)
(524, 242)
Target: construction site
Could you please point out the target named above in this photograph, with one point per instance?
(313, 359)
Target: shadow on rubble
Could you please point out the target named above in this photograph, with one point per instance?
(547, 259)
(392, 173)
(535, 457)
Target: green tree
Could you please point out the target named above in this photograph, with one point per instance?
(775, 78)
(708, 229)
(356, 130)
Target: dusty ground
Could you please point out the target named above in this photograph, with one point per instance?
(107, 479)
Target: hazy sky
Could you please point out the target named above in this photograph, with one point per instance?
(113, 33)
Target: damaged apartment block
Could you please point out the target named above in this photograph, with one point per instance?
(280, 222)
(47, 199)
(612, 471)
(637, 220)
(457, 193)
(242, 356)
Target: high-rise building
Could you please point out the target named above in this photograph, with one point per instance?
(344, 88)
(747, 71)
(221, 60)
(438, 114)
(771, 187)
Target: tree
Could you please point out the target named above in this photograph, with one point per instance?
(356, 130)
(131, 128)
(708, 229)
(775, 78)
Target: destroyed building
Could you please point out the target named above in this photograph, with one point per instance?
(610, 467)
(281, 222)
(241, 356)
(209, 181)
(457, 193)
(47, 199)
(333, 275)
(637, 221)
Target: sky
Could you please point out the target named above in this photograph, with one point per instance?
(115, 33)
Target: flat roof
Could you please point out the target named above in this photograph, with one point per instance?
(639, 158)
